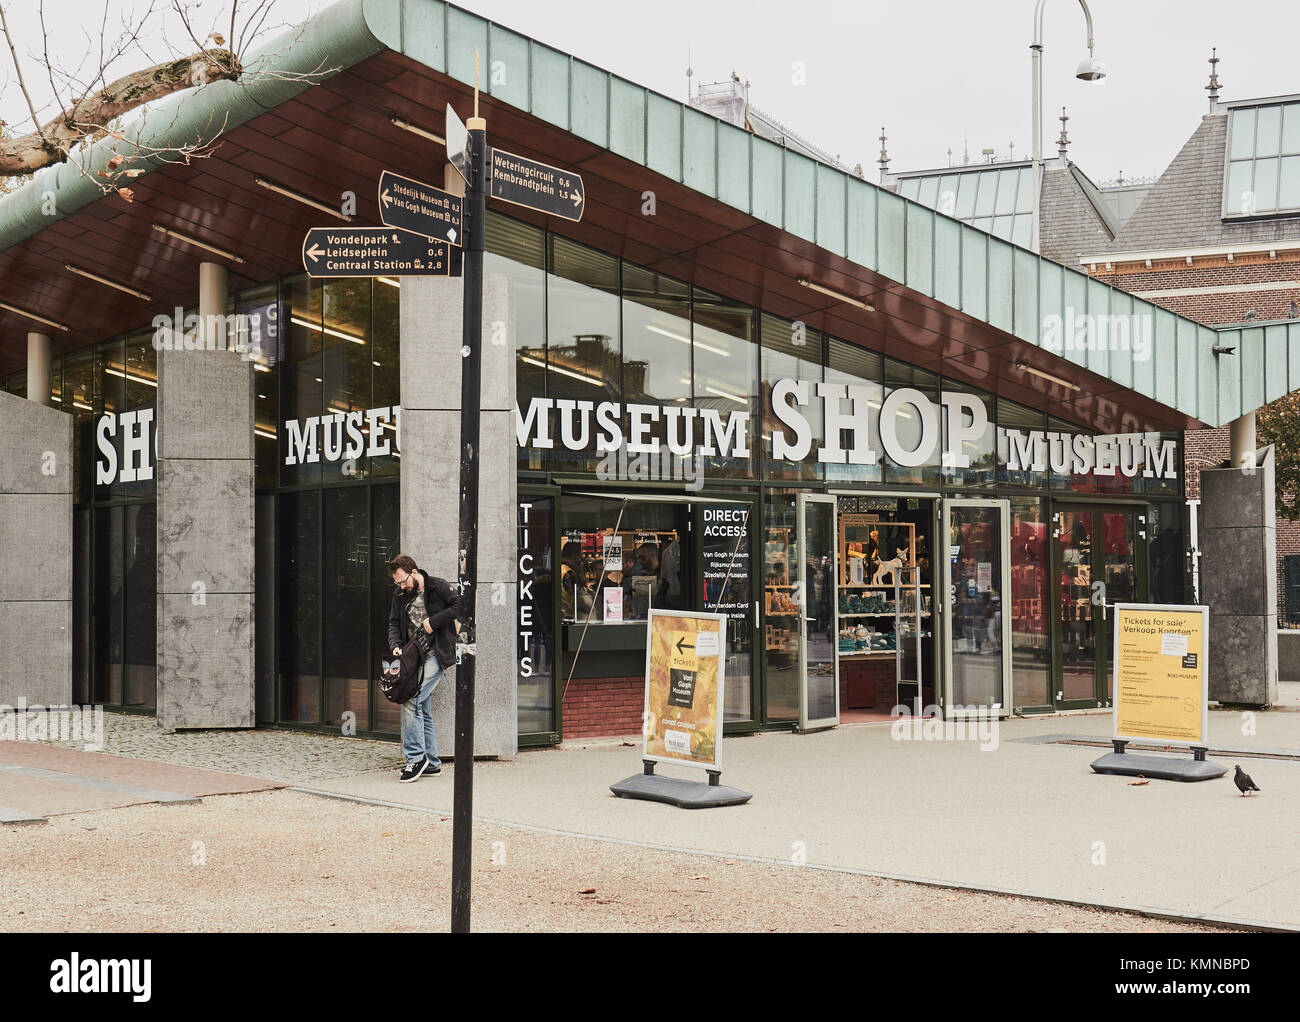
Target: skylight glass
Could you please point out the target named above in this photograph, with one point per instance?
(1263, 173)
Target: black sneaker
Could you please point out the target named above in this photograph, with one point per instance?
(412, 773)
(431, 770)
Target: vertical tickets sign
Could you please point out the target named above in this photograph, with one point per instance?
(1161, 686)
(684, 676)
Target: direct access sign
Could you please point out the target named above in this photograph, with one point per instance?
(685, 674)
(1161, 685)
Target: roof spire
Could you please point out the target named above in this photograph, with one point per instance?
(1213, 87)
(884, 156)
(1063, 143)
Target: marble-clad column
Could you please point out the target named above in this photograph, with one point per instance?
(36, 566)
(205, 526)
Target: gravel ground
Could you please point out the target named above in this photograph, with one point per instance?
(289, 861)
(296, 757)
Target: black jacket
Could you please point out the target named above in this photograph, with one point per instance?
(440, 603)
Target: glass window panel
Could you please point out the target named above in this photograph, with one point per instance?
(910, 187)
(947, 198)
(79, 385)
(929, 193)
(1289, 186)
(1291, 128)
(346, 578)
(1023, 231)
(1031, 653)
(265, 607)
(110, 399)
(783, 639)
(301, 379)
(1165, 553)
(981, 451)
(968, 185)
(108, 606)
(346, 363)
(726, 375)
(1016, 416)
(1239, 198)
(790, 351)
(984, 202)
(1268, 129)
(984, 223)
(385, 530)
(518, 251)
(1002, 226)
(1006, 197)
(141, 395)
(257, 313)
(1242, 145)
(1266, 185)
(848, 364)
(582, 339)
(908, 424)
(644, 533)
(140, 639)
(1025, 191)
(300, 622)
(82, 608)
(657, 354)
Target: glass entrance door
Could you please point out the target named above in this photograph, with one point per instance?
(976, 580)
(1097, 557)
(819, 702)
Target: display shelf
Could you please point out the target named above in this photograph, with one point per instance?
(865, 585)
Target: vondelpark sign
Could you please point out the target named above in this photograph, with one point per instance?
(858, 430)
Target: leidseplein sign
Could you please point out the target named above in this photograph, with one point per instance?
(686, 654)
(1161, 685)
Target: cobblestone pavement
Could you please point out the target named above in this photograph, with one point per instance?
(295, 757)
(289, 861)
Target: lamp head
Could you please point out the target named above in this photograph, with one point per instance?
(1090, 69)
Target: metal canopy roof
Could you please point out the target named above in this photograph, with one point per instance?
(736, 214)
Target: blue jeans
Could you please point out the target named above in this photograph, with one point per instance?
(418, 741)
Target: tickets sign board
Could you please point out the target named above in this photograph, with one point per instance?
(686, 659)
(1161, 686)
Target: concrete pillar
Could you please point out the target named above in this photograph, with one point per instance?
(205, 526)
(36, 566)
(1241, 433)
(1239, 575)
(38, 368)
(431, 315)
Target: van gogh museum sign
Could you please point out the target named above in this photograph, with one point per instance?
(858, 430)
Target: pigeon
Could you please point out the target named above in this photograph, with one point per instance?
(1250, 314)
(1243, 782)
(1294, 311)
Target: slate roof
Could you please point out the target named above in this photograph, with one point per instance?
(1073, 223)
(1184, 209)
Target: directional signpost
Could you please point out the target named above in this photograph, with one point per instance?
(373, 252)
(537, 185)
(414, 206)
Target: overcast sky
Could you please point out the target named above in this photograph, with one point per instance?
(934, 74)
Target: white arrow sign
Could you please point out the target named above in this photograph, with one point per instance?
(315, 251)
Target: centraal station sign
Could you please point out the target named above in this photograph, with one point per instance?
(858, 430)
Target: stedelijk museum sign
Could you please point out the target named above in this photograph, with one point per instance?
(858, 430)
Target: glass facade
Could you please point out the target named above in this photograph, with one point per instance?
(998, 200)
(1263, 160)
(589, 328)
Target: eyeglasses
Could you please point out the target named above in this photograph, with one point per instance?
(402, 580)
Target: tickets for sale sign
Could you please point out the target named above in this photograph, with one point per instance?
(1161, 680)
(684, 674)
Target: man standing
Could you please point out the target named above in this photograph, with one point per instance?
(424, 606)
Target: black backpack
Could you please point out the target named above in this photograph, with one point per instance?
(400, 679)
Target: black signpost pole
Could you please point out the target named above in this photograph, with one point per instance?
(470, 368)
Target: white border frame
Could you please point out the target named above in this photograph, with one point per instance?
(1182, 608)
(695, 615)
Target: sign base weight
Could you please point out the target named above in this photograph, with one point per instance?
(679, 792)
(1160, 768)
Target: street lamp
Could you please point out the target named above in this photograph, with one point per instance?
(1089, 70)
